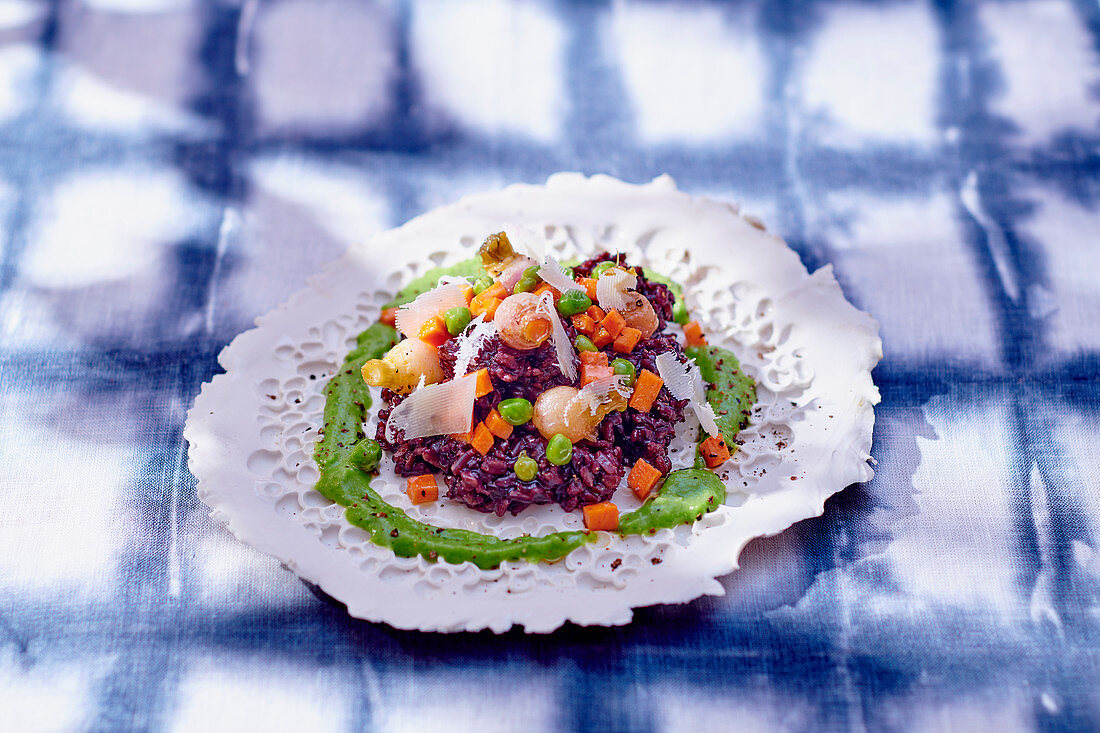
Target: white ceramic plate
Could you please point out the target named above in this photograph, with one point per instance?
(252, 429)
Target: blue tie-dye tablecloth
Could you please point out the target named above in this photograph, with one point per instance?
(170, 170)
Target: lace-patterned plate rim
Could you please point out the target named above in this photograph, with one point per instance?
(798, 336)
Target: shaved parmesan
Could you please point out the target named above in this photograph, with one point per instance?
(411, 316)
(470, 343)
(676, 375)
(435, 409)
(458, 280)
(558, 335)
(526, 241)
(556, 276)
(596, 392)
(611, 289)
(685, 382)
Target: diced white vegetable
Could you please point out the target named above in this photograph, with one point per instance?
(470, 343)
(611, 289)
(411, 316)
(435, 409)
(555, 275)
(562, 345)
(685, 382)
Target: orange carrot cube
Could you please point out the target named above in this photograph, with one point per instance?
(584, 324)
(496, 290)
(627, 339)
(592, 372)
(484, 306)
(468, 293)
(646, 388)
(596, 313)
(601, 338)
(545, 288)
(613, 322)
(389, 317)
(693, 334)
(598, 358)
(484, 384)
(434, 332)
(714, 450)
(589, 286)
(604, 515)
(422, 489)
(642, 478)
(497, 425)
(482, 440)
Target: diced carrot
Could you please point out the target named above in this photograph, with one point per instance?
(589, 286)
(604, 515)
(627, 339)
(389, 317)
(545, 288)
(486, 305)
(593, 357)
(592, 372)
(422, 489)
(596, 313)
(613, 322)
(601, 338)
(714, 450)
(584, 324)
(482, 440)
(496, 290)
(484, 384)
(693, 334)
(642, 478)
(497, 425)
(468, 292)
(434, 332)
(646, 389)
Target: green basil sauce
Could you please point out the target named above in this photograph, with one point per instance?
(683, 497)
(732, 393)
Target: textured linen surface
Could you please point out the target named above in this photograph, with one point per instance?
(171, 170)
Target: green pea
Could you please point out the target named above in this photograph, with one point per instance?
(626, 369)
(516, 410)
(528, 281)
(457, 319)
(526, 467)
(482, 283)
(680, 312)
(601, 269)
(573, 302)
(583, 343)
(559, 450)
(366, 455)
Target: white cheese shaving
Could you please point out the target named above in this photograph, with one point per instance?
(611, 289)
(411, 316)
(435, 409)
(558, 335)
(685, 382)
(458, 280)
(526, 241)
(470, 343)
(555, 275)
(596, 392)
